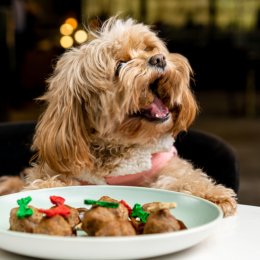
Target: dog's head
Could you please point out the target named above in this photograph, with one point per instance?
(123, 87)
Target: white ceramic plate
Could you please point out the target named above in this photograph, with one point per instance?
(200, 216)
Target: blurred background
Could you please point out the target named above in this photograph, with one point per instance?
(221, 39)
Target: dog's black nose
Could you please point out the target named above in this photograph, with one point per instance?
(158, 60)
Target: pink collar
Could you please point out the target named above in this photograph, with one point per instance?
(159, 160)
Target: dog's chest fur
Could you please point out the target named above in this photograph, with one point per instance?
(137, 159)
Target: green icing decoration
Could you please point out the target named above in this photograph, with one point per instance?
(23, 210)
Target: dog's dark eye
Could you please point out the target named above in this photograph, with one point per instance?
(118, 67)
(148, 48)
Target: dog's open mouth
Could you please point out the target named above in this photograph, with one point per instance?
(157, 110)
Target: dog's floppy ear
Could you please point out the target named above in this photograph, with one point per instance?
(187, 112)
(186, 107)
(61, 138)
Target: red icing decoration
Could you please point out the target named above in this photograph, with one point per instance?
(56, 200)
(60, 208)
(124, 203)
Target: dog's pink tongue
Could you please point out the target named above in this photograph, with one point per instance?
(158, 109)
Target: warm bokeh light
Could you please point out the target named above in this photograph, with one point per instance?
(73, 22)
(80, 36)
(66, 29)
(66, 41)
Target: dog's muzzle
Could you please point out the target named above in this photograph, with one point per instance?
(157, 111)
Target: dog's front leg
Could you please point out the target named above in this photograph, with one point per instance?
(10, 184)
(179, 175)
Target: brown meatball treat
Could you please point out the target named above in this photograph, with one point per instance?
(95, 218)
(121, 211)
(116, 228)
(100, 221)
(26, 224)
(161, 221)
(73, 218)
(103, 221)
(54, 226)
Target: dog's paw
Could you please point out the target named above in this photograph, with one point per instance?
(225, 198)
(10, 184)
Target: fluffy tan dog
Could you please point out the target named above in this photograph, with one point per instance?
(114, 106)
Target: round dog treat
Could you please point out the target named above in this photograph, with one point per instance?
(26, 224)
(54, 226)
(59, 220)
(116, 228)
(162, 221)
(103, 221)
